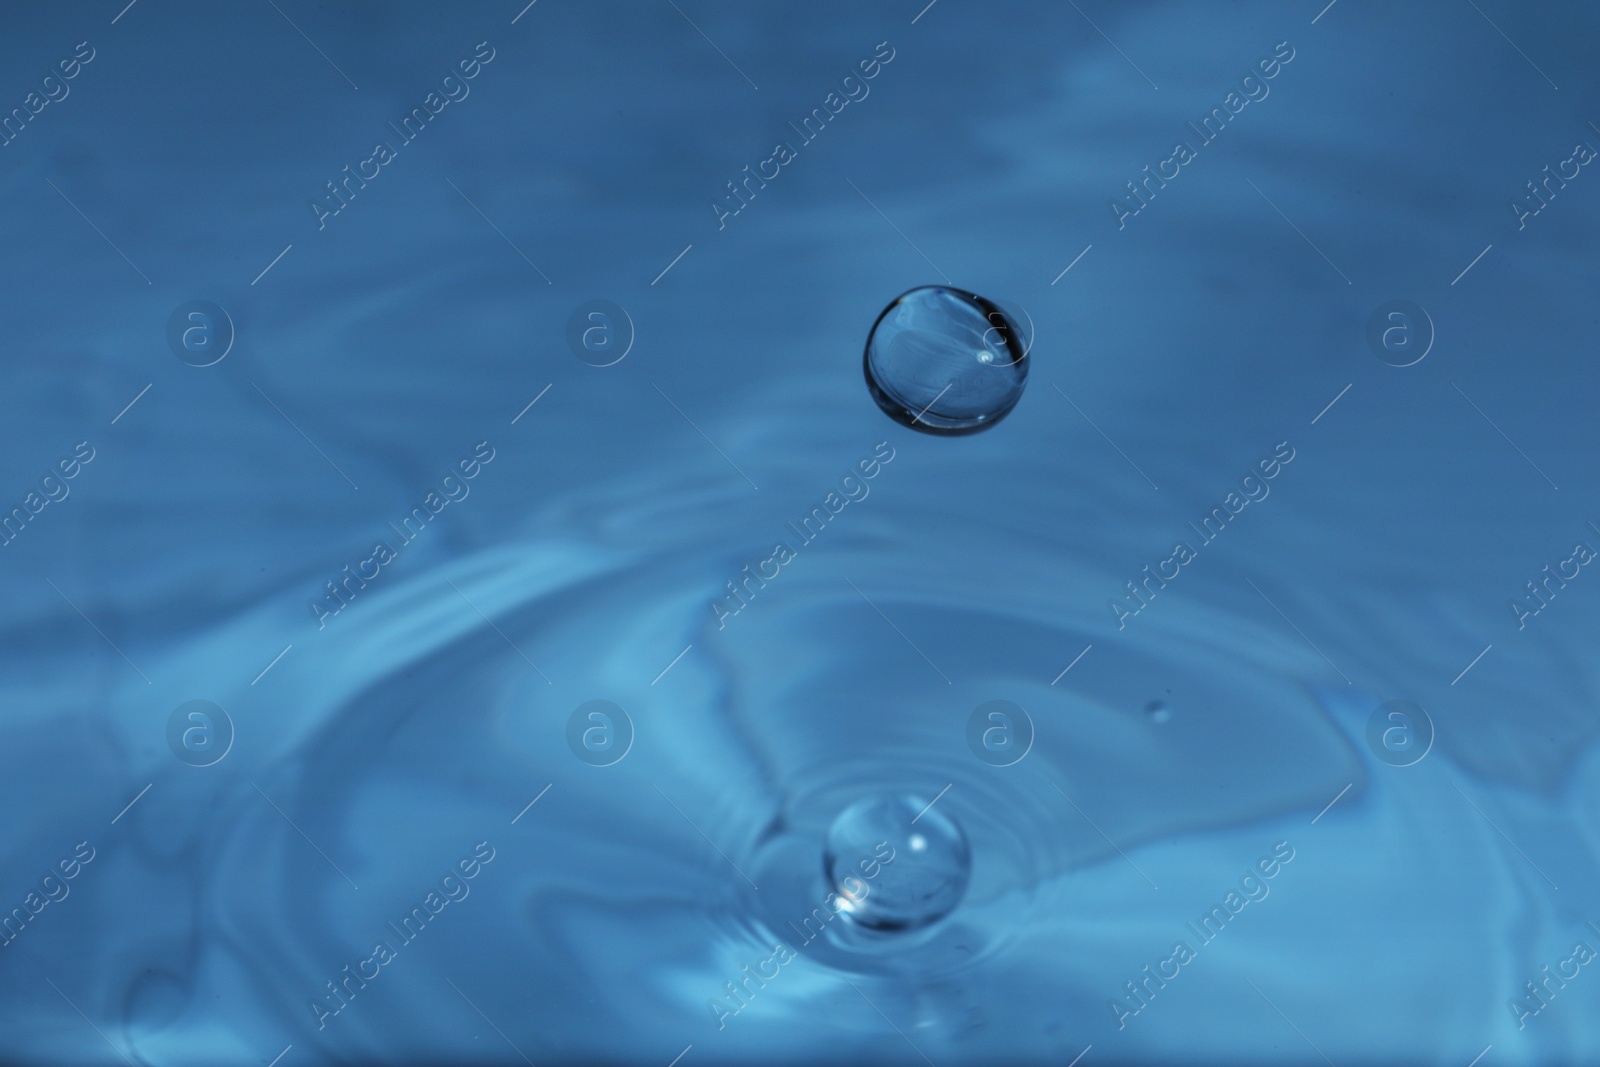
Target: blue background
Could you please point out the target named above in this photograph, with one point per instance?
(375, 352)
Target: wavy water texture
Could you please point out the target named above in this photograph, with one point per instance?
(590, 559)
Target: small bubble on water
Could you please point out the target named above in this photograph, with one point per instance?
(896, 862)
(1157, 711)
(946, 361)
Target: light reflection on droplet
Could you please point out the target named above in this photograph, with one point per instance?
(946, 361)
(896, 862)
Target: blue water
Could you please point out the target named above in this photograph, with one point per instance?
(940, 360)
(467, 665)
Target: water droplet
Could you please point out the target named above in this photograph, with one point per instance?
(1157, 711)
(896, 862)
(945, 361)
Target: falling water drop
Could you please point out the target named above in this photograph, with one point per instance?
(897, 862)
(946, 361)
